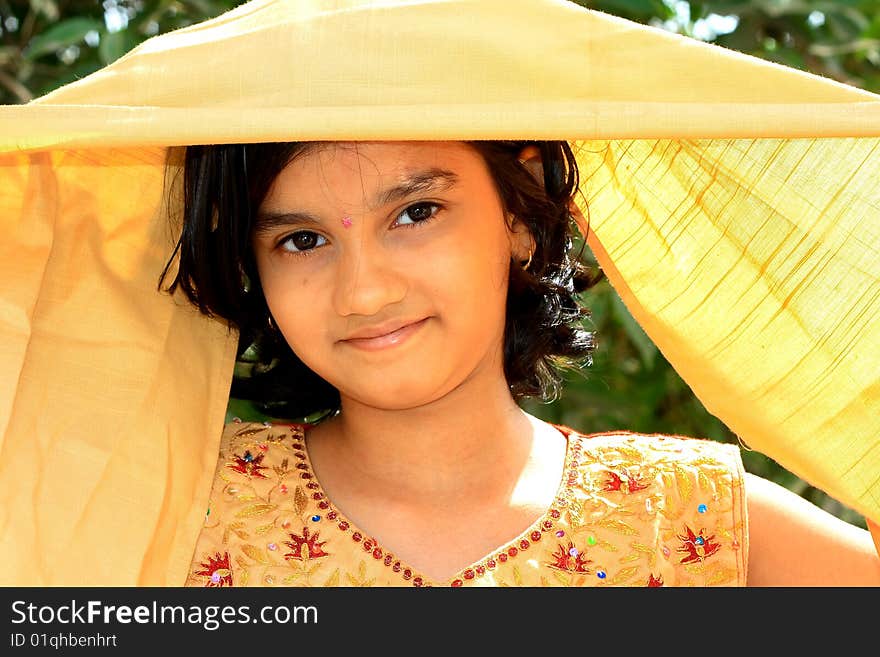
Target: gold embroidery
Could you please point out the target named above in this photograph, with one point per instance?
(333, 580)
(624, 575)
(252, 513)
(255, 510)
(255, 553)
(684, 481)
(618, 526)
(299, 500)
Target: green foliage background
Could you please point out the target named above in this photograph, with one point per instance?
(47, 43)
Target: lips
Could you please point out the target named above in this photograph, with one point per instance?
(383, 336)
(382, 329)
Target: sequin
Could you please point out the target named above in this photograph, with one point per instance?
(649, 507)
(248, 457)
(267, 424)
(215, 577)
(237, 420)
(601, 574)
(699, 540)
(283, 489)
(457, 582)
(574, 552)
(272, 546)
(560, 534)
(665, 551)
(591, 540)
(316, 518)
(702, 508)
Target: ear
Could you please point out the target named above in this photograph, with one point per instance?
(530, 157)
(522, 244)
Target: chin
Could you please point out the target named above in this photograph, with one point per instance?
(400, 397)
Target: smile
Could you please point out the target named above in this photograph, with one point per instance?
(392, 339)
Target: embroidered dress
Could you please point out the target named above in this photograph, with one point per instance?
(631, 510)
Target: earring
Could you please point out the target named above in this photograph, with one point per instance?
(271, 323)
(529, 261)
(245, 283)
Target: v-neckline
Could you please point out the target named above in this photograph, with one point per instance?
(502, 554)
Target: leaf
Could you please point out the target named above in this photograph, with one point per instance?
(299, 500)
(304, 552)
(624, 575)
(262, 529)
(633, 556)
(114, 45)
(238, 529)
(563, 579)
(244, 576)
(333, 580)
(248, 431)
(517, 577)
(255, 553)
(255, 510)
(719, 576)
(705, 484)
(685, 483)
(606, 545)
(65, 33)
(618, 526)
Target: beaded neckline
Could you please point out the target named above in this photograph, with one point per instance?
(544, 524)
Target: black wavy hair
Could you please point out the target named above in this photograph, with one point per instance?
(224, 184)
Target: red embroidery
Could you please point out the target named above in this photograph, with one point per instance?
(315, 548)
(655, 581)
(570, 559)
(624, 481)
(248, 465)
(217, 570)
(696, 546)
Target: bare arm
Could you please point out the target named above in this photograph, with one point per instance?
(795, 543)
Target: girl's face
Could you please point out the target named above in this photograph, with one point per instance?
(364, 238)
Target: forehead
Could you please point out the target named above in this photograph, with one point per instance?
(364, 164)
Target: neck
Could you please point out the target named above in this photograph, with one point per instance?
(471, 443)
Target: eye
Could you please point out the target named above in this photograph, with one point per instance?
(301, 241)
(419, 213)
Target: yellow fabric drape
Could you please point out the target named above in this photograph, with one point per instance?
(733, 203)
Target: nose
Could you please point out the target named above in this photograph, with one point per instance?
(366, 280)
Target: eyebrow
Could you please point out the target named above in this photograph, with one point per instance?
(417, 182)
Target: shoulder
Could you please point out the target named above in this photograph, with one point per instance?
(260, 442)
(796, 543)
(683, 497)
(663, 451)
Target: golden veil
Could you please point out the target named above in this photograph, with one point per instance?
(733, 203)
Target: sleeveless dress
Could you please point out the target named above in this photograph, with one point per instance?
(631, 510)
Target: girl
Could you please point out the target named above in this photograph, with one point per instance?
(415, 291)
(412, 281)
